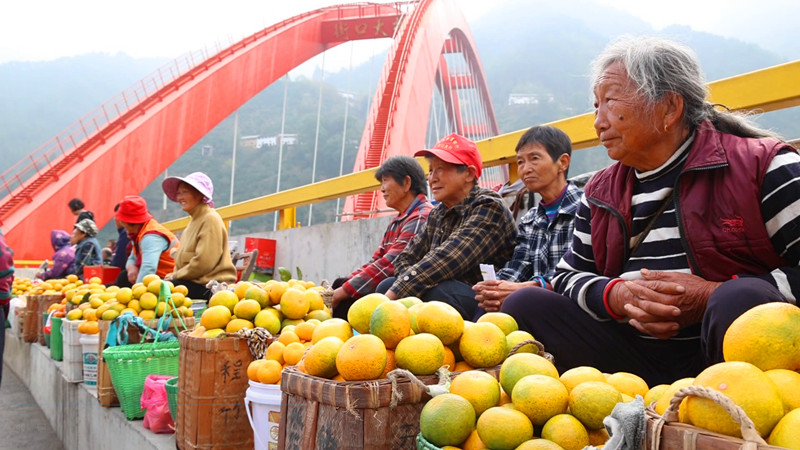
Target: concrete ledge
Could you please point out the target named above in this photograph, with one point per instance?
(72, 409)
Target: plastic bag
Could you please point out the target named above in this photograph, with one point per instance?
(154, 401)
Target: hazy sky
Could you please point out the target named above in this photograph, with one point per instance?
(35, 30)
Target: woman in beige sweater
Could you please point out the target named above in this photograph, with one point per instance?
(203, 254)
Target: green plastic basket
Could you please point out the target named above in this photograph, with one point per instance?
(129, 365)
(172, 397)
(423, 444)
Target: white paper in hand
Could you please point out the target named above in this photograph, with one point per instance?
(487, 270)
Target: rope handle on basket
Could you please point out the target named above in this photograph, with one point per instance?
(258, 339)
(166, 319)
(433, 390)
(749, 432)
(327, 294)
(538, 344)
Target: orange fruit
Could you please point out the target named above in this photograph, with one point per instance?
(305, 330)
(275, 351)
(539, 444)
(449, 359)
(540, 397)
(224, 298)
(421, 354)
(473, 442)
(293, 353)
(148, 300)
(237, 324)
(591, 401)
(124, 295)
(747, 386)
(314, 298)
(215, 317)
(785, 432)
(276, 290)
(287, 337)
(360, 312)
(240, 289)
(146, 280)
(566, 431)
(257, 294)
(246, 309)
(181, 289)
(320, 361)
(504, 321)
(522, 364)
(447, 419)
(504, 428)
(414, 310)
(332, 327)
(362, 357)
(598, 437)
(252, 369)
(294, 304)
(462, 366)
(268, 320)
(442, 321)
(655, 393)
(89, 327)
(765, 336)
(577, 375)
(480, 389)
(663, 401)
(318, 314)
(391, 363)
(628, 383)
(391, 322)
(483, 345)
(269, 372)
(517, 337)
(788, 384)
(154, 286)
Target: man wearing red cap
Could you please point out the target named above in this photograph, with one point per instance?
(470, 226)
(151, 241)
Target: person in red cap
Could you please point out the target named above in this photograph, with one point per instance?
(151, 241)
(470, 226)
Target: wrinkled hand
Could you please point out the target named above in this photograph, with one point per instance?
(491, 294)
(169, 276)
(662, 303)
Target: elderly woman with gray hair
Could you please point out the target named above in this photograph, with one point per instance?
(87, 249)
(697, 222)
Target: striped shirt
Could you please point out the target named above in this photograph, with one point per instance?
(576, 274)
(454, 242)
(541, 242)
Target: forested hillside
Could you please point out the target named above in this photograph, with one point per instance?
(546, 56)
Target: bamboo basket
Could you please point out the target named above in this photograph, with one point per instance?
(666, 433)
(36, 306)
(212, 383)
(321, 413)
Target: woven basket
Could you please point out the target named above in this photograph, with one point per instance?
(423, 444)
(327, 294)
(321, 413)
(172, 397)
(131, 364)
(666, 433)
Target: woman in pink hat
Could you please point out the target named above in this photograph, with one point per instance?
(203, 255)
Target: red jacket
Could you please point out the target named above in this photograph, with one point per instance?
(718, 205)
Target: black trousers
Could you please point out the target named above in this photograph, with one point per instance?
(196, 291)
(455, 293)
(576, 339)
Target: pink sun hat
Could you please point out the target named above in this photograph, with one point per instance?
(197, 180)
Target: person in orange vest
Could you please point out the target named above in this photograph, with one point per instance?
(152, 243)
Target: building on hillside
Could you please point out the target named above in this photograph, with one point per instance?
(257, 141)
(529, 99)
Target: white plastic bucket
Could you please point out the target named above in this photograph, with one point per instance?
(89, 343)
(263, 405)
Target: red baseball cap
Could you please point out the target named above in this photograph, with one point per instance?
(133, 209)
(456, 149)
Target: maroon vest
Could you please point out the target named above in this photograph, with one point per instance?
(718, 200)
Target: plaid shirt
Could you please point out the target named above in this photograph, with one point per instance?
(541, 243)
(398, 234)
(479, 230)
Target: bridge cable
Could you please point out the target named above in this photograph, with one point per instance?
(344, 127)
(280, 143)
(316, 136)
